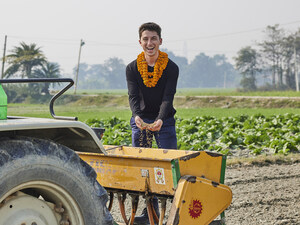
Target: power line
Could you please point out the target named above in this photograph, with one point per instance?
(202, 50)
(230, 34)
(93, 42)
(73, 41)
(42, 38)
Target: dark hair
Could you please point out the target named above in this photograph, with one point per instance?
(150, 27)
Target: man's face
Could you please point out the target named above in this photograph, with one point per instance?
(150, 42)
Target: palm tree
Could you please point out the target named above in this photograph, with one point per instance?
(23, 59)
(48, 70)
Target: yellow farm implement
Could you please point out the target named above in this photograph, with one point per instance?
(44, 181)
(193, 180)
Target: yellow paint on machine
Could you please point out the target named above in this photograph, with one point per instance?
(203, 164)
(151, 170)
(198, 201)
(128, 173)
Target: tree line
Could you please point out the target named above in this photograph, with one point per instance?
(203, 72)
(273, 60)
(271, 63)
(28, 61)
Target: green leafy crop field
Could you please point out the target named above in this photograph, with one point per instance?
(230, 130)
(252, 134)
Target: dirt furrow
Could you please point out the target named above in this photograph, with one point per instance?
(267, 194)
(264, 195)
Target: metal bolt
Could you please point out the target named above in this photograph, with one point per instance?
(64, 222)
(58, 208)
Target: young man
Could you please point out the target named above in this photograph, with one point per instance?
(151, 81)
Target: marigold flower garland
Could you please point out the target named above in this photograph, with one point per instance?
(150, 79)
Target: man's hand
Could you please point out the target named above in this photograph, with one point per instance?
(156, 126)
(140, 123)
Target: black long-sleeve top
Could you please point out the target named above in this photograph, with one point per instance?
(155, 102)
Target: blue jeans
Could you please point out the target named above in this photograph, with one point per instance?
(165, 138)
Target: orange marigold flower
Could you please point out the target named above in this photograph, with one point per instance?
(150, 79)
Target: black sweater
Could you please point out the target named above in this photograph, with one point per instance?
(156, 102)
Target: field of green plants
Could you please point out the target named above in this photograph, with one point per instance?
(227, 130)
(257, 134)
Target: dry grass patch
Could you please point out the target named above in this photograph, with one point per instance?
(263, 160)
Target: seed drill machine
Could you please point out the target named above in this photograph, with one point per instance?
(57, 172)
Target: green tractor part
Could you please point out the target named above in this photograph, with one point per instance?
(3, 104)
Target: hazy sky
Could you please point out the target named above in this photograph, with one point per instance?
(109, 28)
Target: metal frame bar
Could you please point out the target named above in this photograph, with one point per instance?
(175, 172)
(222, 181)
(46, 80)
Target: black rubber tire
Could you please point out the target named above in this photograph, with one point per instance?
(25, 159)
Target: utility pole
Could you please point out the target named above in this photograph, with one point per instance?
(225, 76)
(3, 59)
(76, 77)
(296, 72)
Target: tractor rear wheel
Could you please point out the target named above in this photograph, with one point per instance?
(42, 183)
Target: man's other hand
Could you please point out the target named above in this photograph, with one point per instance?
(156, 126)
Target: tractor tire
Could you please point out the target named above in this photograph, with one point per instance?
(42, 182)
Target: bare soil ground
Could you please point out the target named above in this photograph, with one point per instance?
(268, 194)
(263, 193)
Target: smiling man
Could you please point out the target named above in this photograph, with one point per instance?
(151, 81)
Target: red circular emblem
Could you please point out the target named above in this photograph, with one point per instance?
(195, 209)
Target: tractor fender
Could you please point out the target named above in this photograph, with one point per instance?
(73, 134)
